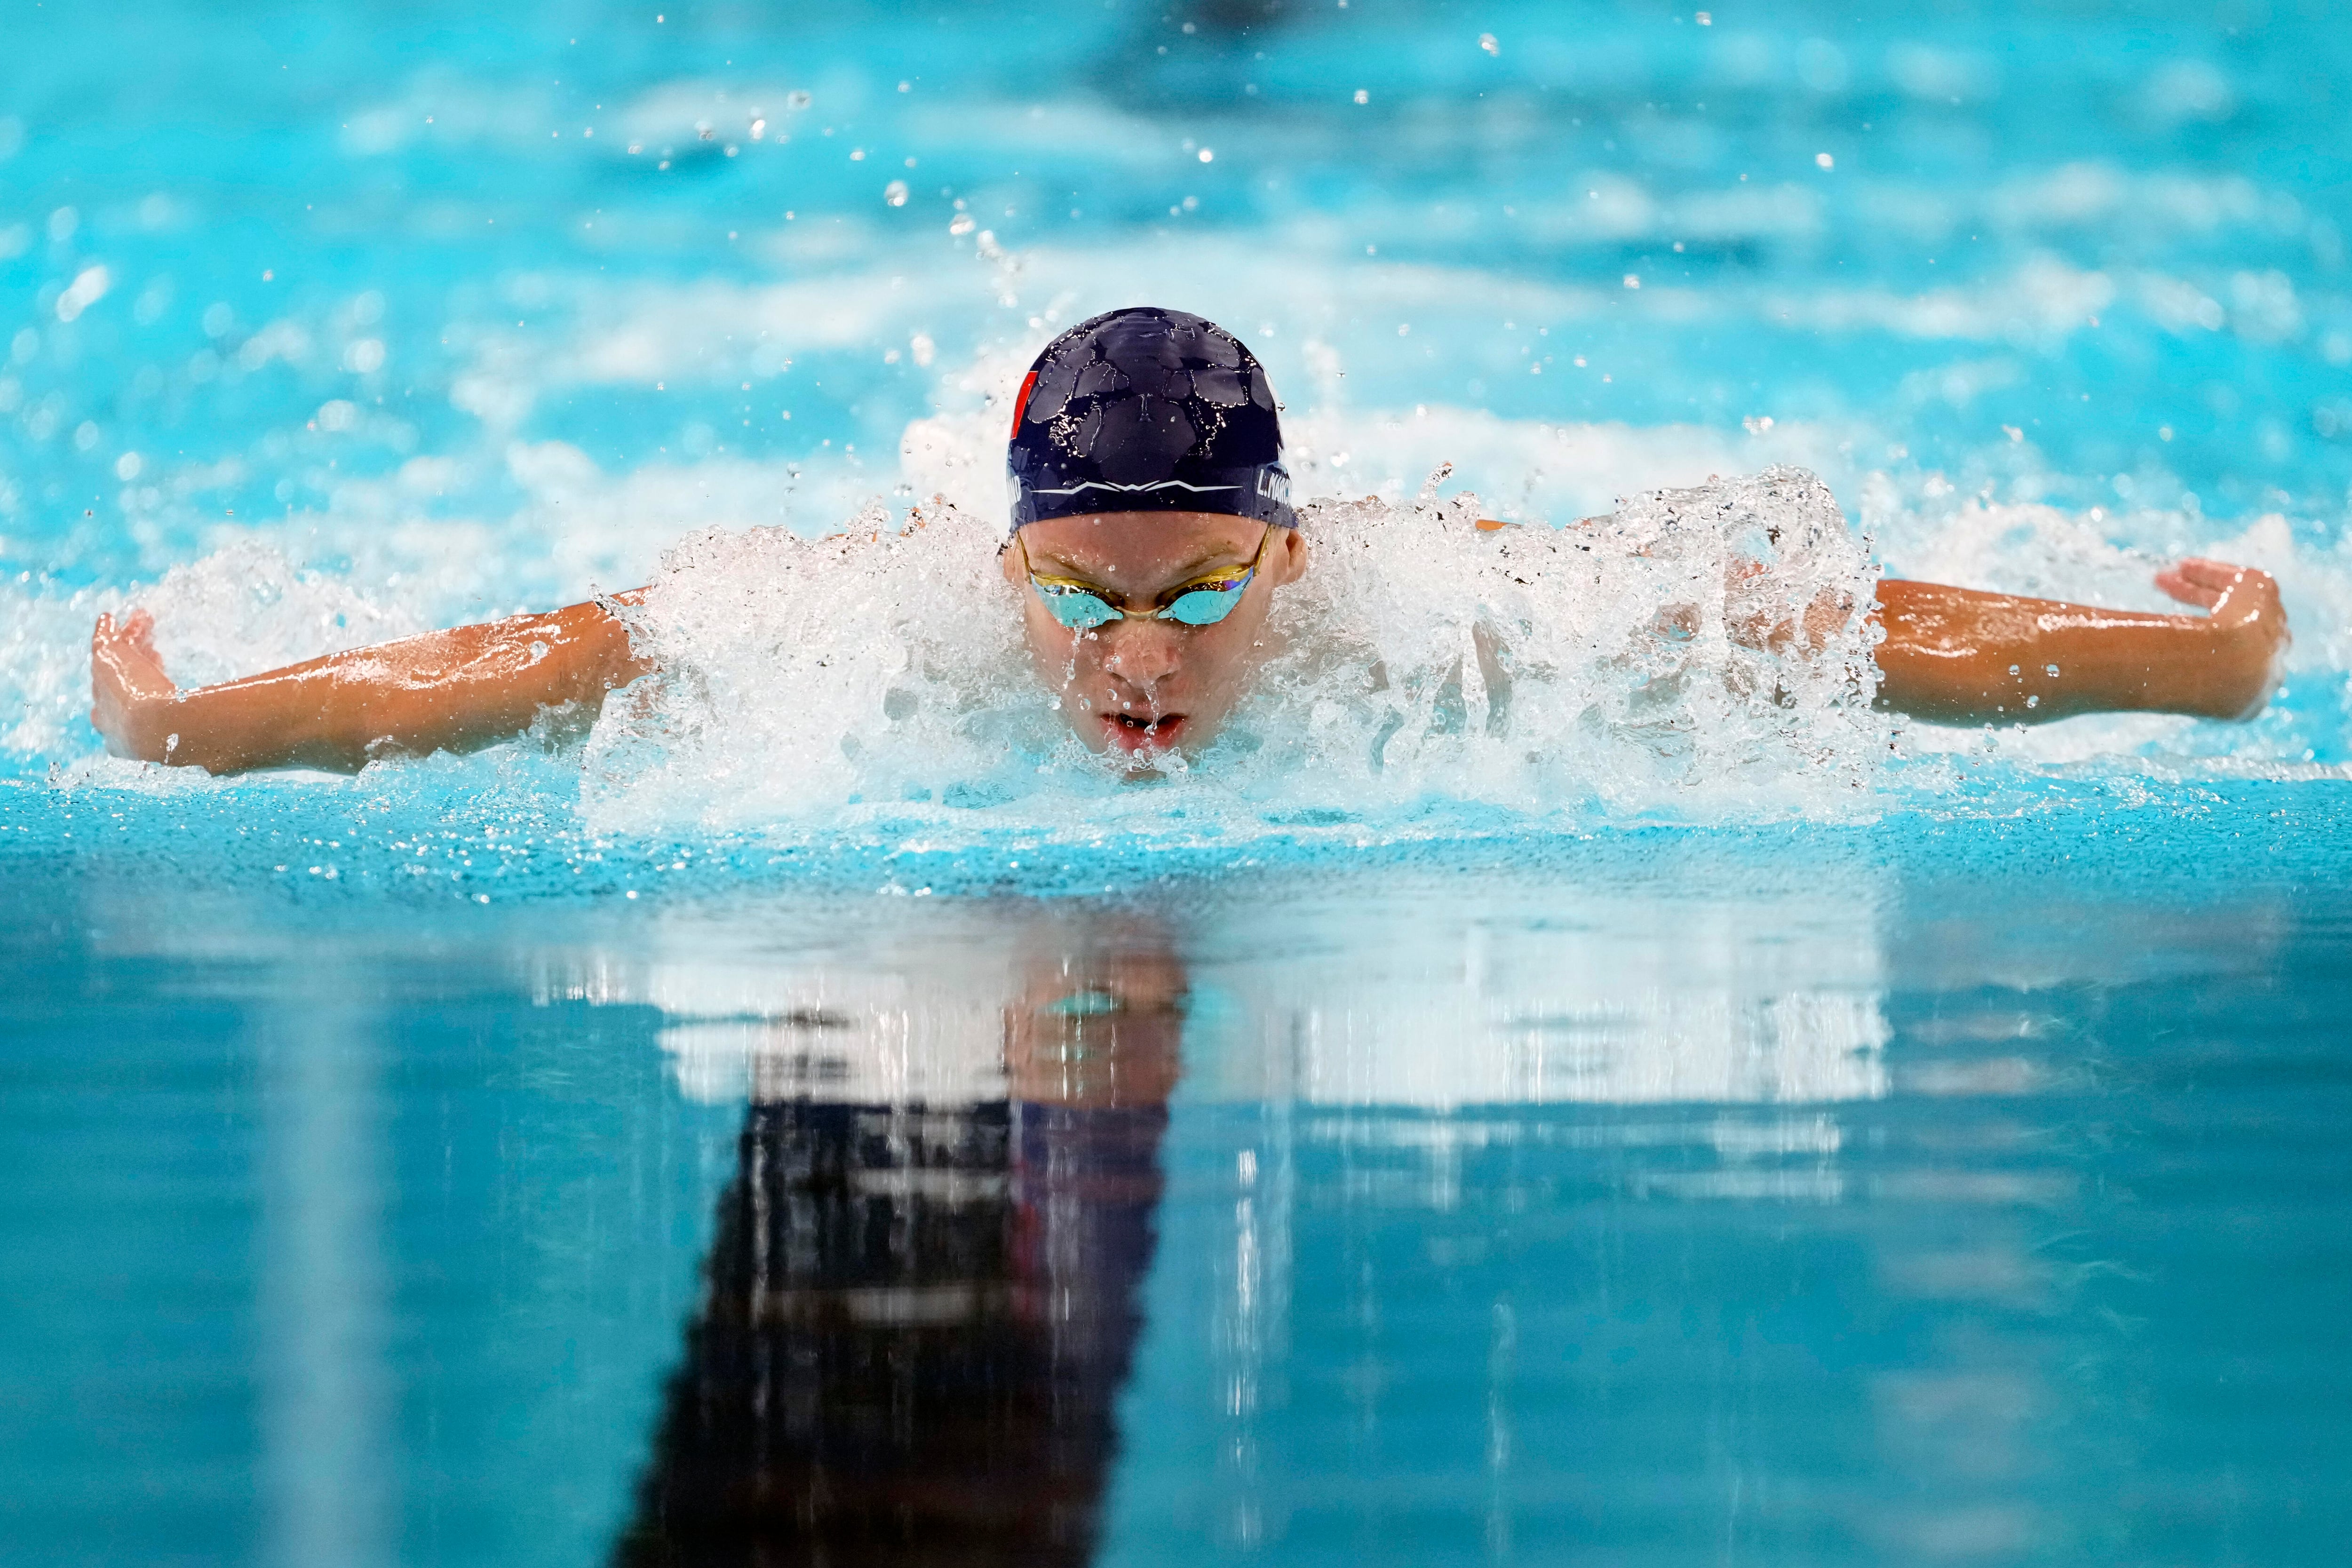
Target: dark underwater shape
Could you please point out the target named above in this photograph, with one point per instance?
(917, 1326)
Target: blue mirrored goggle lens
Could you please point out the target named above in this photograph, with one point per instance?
(1076, 609)
(1205, 606)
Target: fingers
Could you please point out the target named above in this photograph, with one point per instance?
(2178, 586)
(2218, 576)
(123, 663)
(137, 625)
(132, 637)
(2198, 581)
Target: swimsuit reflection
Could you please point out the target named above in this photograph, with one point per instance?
(918, 1318)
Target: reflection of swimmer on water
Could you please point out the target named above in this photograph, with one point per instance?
(1153, 525)
(918, 1316)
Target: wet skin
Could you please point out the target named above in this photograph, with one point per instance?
(1143, 687)
(1953, 656)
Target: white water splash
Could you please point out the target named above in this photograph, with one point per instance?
(1698, 651)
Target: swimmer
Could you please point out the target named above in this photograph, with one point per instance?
(1152, 526)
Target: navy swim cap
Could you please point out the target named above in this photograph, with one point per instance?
(1147, 410)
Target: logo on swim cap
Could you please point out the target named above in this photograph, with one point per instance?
(1147, 410)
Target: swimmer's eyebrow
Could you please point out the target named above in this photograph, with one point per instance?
(1053, 566)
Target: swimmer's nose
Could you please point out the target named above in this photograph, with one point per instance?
(1143, 652)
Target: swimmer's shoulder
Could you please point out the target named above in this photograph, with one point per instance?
(1512, 538)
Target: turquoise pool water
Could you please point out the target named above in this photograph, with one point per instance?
(1818, 1140)
(1804, 1201)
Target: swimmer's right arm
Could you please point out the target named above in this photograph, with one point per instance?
(455, 691)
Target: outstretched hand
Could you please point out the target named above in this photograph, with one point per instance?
(128, 686)
(2235, 595)
(2243, 605)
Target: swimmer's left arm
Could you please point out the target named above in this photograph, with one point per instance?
(1957, 656)
(1964, 656)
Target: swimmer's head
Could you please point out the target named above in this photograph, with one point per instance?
(1147, 410)
(1152, 522)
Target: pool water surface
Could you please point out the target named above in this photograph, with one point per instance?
(790, 1119)
(1722, 1198)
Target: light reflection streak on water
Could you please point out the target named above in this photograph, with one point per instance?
(328, 1411)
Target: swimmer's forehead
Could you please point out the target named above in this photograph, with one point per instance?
(1133, 547)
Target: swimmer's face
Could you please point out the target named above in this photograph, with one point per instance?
(1136, 687)
(1099, 1019)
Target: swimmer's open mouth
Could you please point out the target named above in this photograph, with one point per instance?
(1134, 733)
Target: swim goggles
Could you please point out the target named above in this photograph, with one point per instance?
(1202, 601)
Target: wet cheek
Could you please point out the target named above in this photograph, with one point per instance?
(1211, 659)
(1050, 649)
